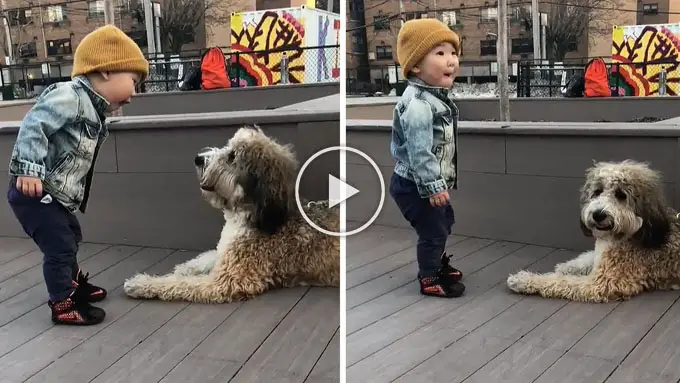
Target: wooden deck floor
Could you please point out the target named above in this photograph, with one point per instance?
(289, 335)
(490, 334)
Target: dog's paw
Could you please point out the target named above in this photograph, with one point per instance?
(139, 286)
(520, 282)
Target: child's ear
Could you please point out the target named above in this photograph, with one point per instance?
(415, 70)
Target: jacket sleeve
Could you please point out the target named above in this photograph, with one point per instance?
(416, 122)
(54, 108)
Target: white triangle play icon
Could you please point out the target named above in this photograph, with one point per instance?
(339, 191)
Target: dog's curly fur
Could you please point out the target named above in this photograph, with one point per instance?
(637, 240)
(265, 242)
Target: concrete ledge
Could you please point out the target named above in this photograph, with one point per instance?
(519, 182)
(615, 109)
(145, 190)
(203, 101)
(544, 128)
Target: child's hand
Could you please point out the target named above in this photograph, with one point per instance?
(30, 186)
(440, 199)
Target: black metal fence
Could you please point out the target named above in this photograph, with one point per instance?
(244, 69)
(624, 79)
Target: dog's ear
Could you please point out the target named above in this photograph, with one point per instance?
(587, 232)
(655, 228)
(271, 205)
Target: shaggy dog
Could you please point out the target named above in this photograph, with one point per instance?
(265, 242)
(637, 240)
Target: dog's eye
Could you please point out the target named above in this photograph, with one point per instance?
(231, 156)
(621, 196)
(597, 192)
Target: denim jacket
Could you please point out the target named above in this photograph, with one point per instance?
(59, 139)
(425, 137)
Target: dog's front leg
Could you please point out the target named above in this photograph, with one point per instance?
(581, 265)
(552, 285)
(202, 264)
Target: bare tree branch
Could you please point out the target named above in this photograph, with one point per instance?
(181, 18)
(570, 20)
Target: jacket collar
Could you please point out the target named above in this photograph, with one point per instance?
(99, 102)
(443, 94)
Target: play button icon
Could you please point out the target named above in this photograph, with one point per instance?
(340, 191)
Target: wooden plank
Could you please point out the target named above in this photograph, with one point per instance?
(612, 338)
(11, 248)
(327, 368)
(385, 283)
(368, 238)
(36, 296)
(20, 264)
(289, 353)
(31, 358)
(394, 261)
(408, 294)
(381, 334)
(500, 315)
(527, 359)
(377, 251)
(160, 352)
(657, 357)
(243, 332)
(34, 275)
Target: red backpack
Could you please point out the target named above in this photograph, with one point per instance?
(214, 70)
(597, 79)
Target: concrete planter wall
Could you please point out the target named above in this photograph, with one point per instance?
(203, 101)
(145, 191)
(518, 182)
(612, 109)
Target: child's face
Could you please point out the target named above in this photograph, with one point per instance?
(116, 87)
(439, 67)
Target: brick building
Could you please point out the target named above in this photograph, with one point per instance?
(475, 21)
(50, 30)
(658, 11)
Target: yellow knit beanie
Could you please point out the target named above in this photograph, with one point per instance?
(109, 49)
(417, 37)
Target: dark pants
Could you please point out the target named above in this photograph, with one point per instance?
(432, 224)
(56, 232)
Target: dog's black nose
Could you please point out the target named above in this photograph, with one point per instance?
(599, 215)
(199, 160)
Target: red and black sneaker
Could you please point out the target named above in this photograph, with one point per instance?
(438, 287)
(75, 310)
(91, 292)
(449, 272)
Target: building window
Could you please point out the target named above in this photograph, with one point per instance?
(488, 14)
(95, 8)
(26, 50)
(522, 45)
(519, 11)
(383, 52)
(449, 18)
(650, 9)
(381, 23)
(138, 37)
(55, 13)
(21, 17)
(487, 48)
(59, 47)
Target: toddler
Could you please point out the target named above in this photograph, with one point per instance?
(52, 163)
(424, 145)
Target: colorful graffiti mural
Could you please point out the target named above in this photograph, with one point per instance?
(639, 52)
(287, 31)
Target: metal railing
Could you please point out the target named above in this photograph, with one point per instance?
(624, 79)
(166, 72)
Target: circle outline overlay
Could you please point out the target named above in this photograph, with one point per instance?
(382, 191)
